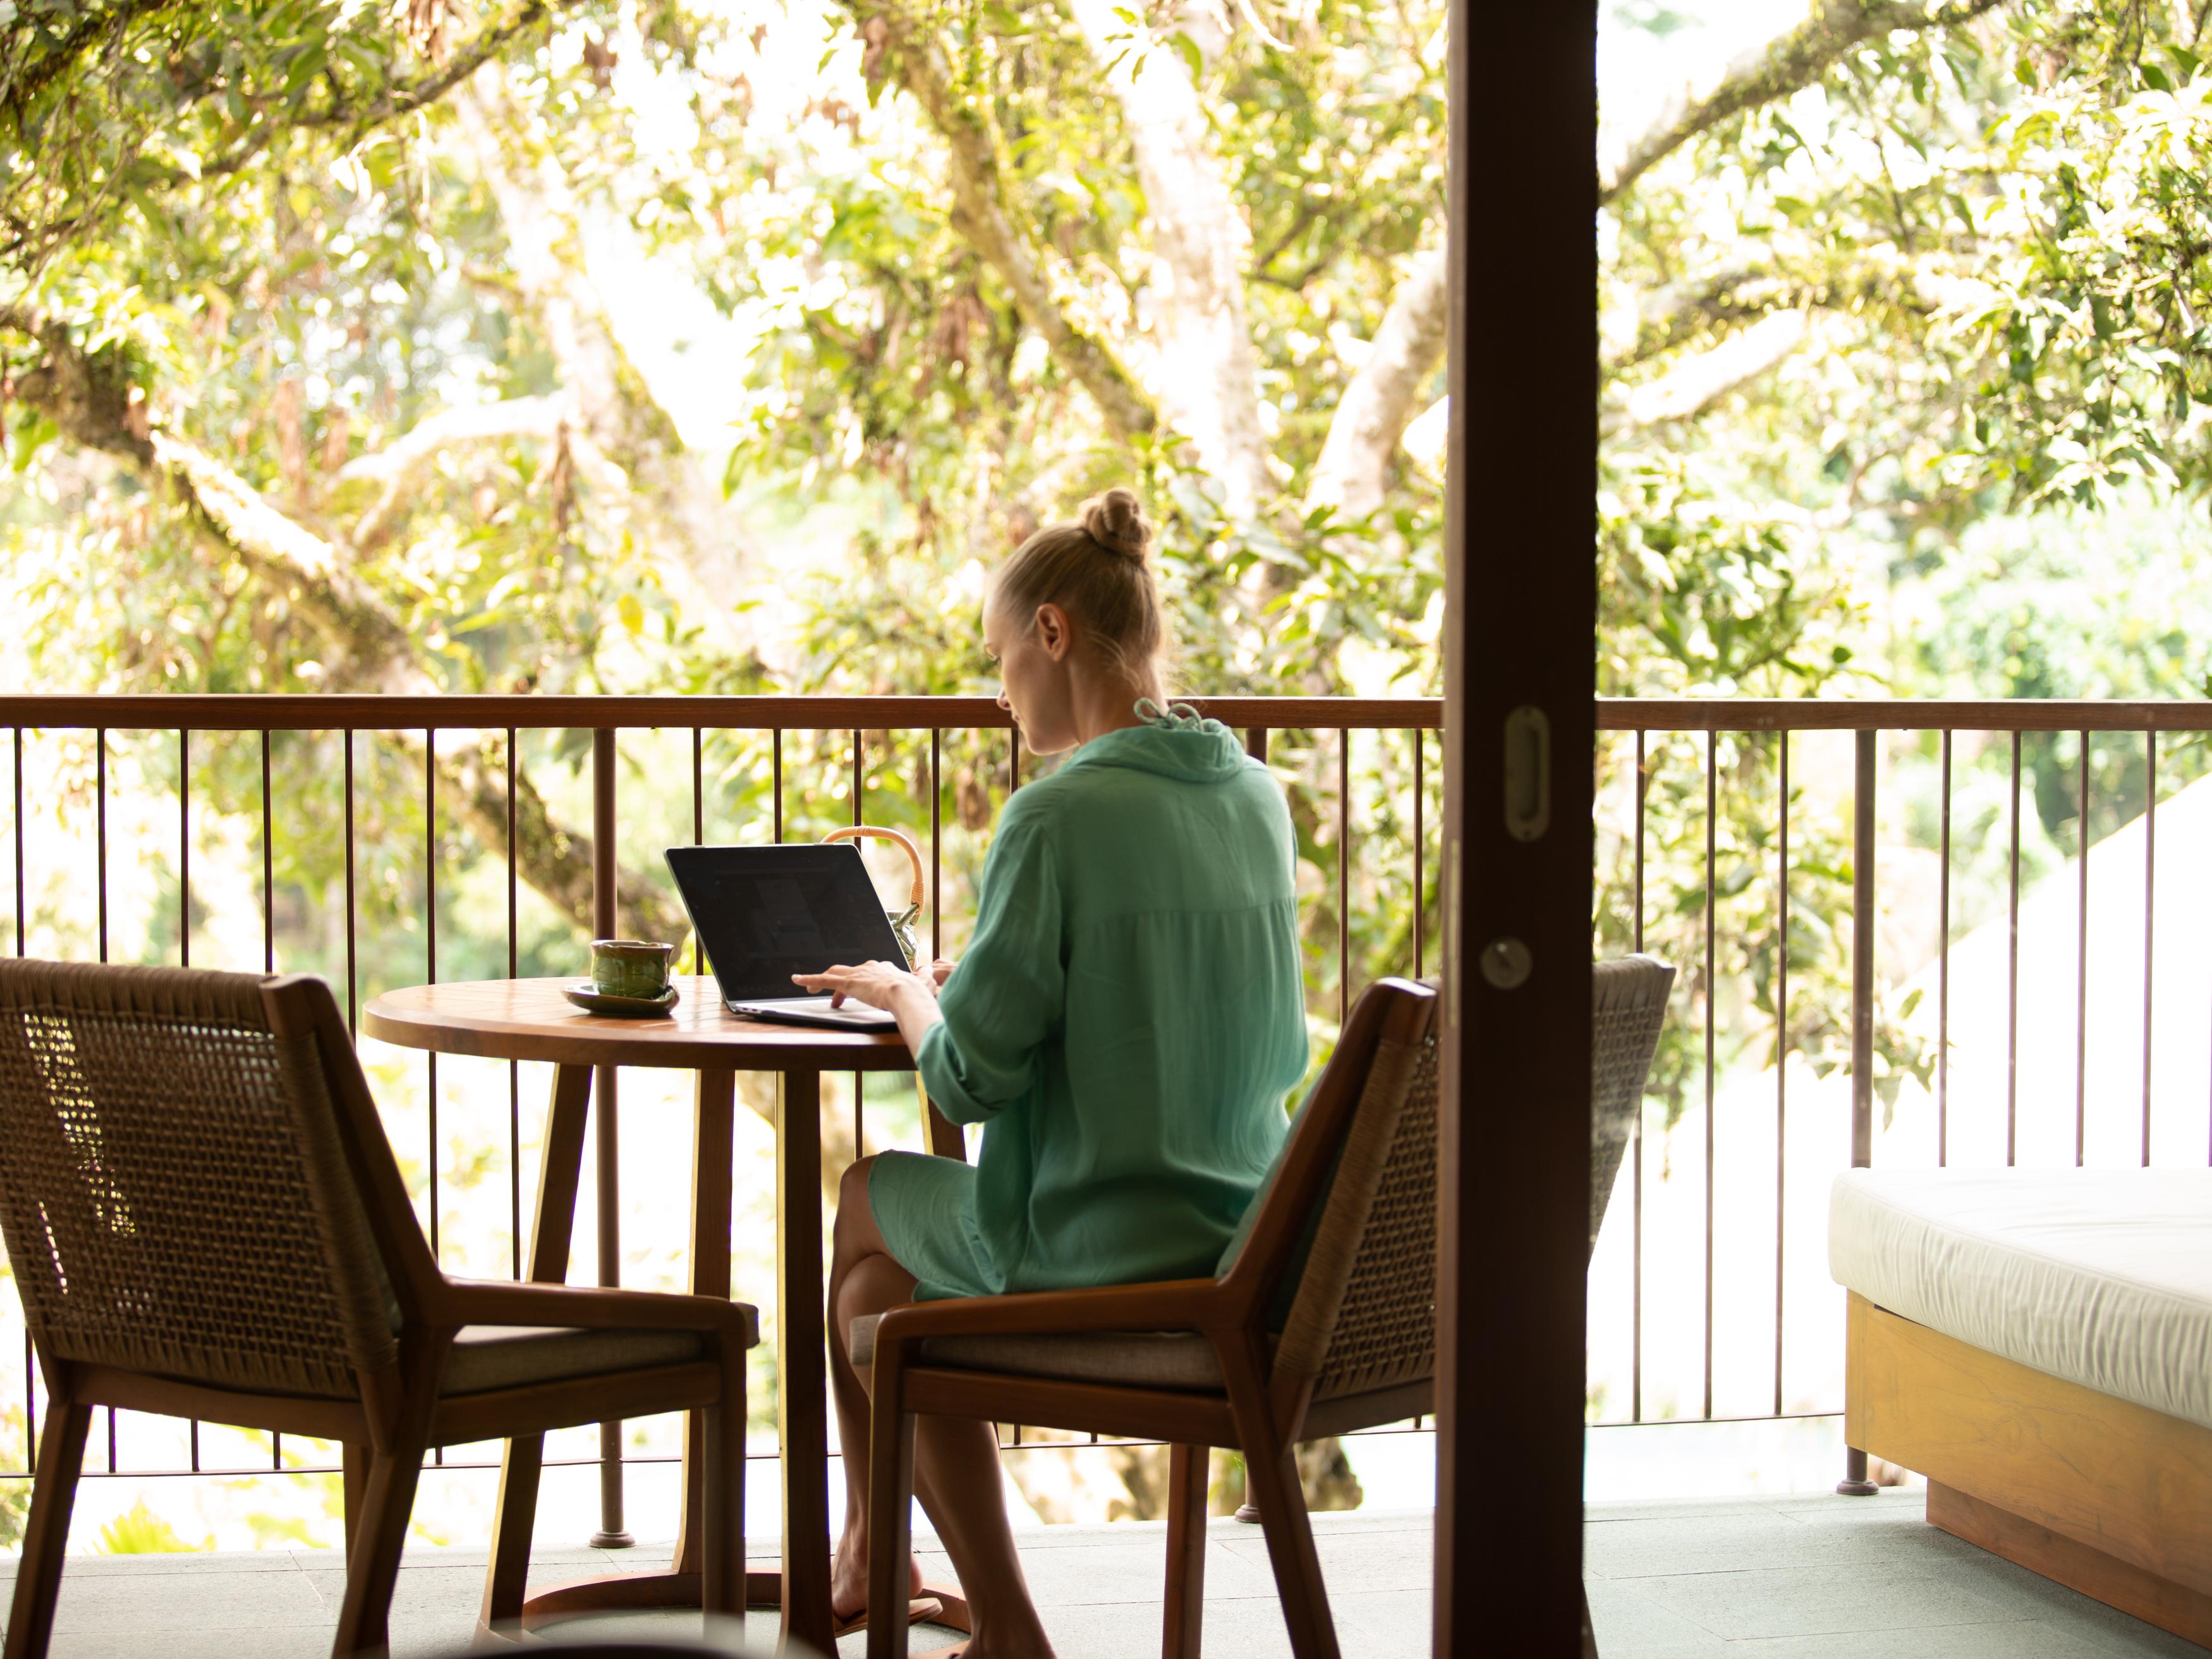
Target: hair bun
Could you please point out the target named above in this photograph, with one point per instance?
(1116, 521)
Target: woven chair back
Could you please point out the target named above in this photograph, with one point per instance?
(173, 1192)
(1365, 1315)
(1628, 1005)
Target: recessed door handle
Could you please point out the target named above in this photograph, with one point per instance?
(1528, 772)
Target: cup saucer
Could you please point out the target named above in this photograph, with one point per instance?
(593, 1000)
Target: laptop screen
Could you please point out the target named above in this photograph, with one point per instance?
(766, 913)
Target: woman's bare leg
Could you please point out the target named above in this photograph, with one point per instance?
(863, 1278)
(956, 1460)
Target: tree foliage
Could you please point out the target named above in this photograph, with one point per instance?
(571, 344)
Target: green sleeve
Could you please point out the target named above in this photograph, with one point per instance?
(1009, 993)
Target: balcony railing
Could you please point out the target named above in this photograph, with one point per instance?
(1755, 843)
(1974, 1028)
(389, 804)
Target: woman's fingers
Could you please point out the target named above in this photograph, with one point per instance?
(837, 981)
(842, 981)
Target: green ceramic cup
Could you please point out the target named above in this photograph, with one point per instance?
(629, 966)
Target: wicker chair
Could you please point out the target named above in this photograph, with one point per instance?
(1324, 1322)
(205, 1220)
(1628, 1005)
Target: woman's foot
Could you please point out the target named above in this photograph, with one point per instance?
(848, 1580)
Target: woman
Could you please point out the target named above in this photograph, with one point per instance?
(1126, 1025)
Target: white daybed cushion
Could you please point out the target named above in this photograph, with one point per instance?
(2102, 1277)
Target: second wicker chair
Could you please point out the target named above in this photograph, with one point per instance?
(206, 1221)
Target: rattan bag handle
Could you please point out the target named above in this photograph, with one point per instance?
(875, 832)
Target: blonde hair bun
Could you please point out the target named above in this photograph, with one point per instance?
(1116, 521)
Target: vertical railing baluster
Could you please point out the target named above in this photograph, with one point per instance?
(1420, 853)
(184, 849)
(514, 1067)
(939, 1134)
(1781, 1057)
(1343, 877)
(268, 966)
(1943, 976)
(936, 842)
(859, 791)
(353, 965)
(775, 784)
(430, 958)
(430, 972)
(1854, 1483)
(698, 825)
(2081, 968)
(99, 824)
(2011, 976)
(2150, 918)
(183, 960)
(1636, 1144)
(1013, 758)
(268, 869)
(605, 919)
(1712, 797)
(19, 840)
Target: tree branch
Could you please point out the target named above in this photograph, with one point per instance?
(86, 396)
(1384, 396)
(1790, 61)
(618, 430)
(397, 465)
(1692, 386)
(984, 214)
(1207, 373)
(21, 87)
(484, 45)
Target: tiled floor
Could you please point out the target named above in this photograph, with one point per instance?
(1794, 1578)
(1825, 1578)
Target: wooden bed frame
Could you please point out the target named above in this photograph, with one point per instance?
(2107, 1496)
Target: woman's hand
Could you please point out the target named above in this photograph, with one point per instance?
(939, 971)
(908, 998)
(875, 983)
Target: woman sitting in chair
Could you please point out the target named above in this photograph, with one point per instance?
(1126, 1024)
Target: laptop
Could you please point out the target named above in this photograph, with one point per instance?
(766, 913)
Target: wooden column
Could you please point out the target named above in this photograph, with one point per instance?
(1520, 670)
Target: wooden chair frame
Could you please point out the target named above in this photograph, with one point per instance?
(1264, 1413)
(400, 1413)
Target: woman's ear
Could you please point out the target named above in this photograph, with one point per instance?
(1054, 631)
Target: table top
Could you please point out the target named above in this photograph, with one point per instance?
(529, 1019)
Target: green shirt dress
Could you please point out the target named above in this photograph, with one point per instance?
(1126, 1025)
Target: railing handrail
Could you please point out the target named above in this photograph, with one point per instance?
(1902, 715)
(255, 711)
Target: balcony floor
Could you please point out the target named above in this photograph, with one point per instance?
(1802, 1577)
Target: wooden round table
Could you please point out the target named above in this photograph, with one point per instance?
(529, 1019)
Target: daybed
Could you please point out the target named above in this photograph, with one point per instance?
(2038, 1344)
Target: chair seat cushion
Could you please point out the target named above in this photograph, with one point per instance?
(487, 1357)
(1146, 1360)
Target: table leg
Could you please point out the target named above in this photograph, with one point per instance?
(713, 1151)
(607, 1141)
(802, 1375)
(520, 1466)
